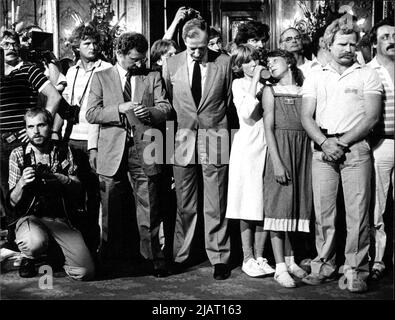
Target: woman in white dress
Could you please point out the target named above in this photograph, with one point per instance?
(247, 161)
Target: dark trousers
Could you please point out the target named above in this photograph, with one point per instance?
(216, 235)
(90, 199)
(146, 194)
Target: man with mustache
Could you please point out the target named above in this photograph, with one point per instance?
(382, 37)
(341, 104)
(128, 101)
(43, 184)
(19, 89)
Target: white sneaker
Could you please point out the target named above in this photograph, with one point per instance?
(285, 280)
(297, 271)
(251, 268)
(264, 266)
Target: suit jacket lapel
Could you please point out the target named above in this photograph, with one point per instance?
(139, 89)
(211, 72)
(116, 80)
(184, 77)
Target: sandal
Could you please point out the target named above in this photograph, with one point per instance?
(285, 280)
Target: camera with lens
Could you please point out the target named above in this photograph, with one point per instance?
(39, 49)
(44, 174)
(69, 112)
(192, 13)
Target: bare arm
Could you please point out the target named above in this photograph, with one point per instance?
(180, 15)
(330, 146)
(53, 98)
(280, 172)
(372, 116)
(28, 176)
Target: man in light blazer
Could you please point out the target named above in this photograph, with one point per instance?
(198, 82)
(128, 101)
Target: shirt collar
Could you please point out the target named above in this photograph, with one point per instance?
(17, 66)
(191, 61)
(122, 72)
(328, 66)
(95, 65)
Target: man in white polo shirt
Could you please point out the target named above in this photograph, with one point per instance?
(382, 37)
(341, 104)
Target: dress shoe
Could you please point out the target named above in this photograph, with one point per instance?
(160, 272)
(221, 271)
(177, 268)
(27, 269)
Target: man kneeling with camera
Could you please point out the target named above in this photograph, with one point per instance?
(43, 186)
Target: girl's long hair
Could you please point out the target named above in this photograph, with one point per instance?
(290, 59)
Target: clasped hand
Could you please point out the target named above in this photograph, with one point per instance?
(333, 149)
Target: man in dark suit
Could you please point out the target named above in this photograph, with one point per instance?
(128, 101)
(199, 85)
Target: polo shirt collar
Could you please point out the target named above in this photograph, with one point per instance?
(374, 63)
(355, 66)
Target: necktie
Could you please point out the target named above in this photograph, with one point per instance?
(196, 84)
(127, 96)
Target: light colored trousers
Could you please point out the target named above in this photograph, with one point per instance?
(383, 157)
(355, 174)
(32, 237)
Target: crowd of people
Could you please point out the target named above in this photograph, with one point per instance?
(241, 132)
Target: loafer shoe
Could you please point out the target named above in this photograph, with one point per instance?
(315, 279)
(221, 271)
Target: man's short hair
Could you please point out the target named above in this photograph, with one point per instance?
(83, 32)
(252, 30)
(131, 40)
(161, 47)
(191, 28)
(373, 32)
(32, 112)
(290, 28)
(9, 33)
(343, 25)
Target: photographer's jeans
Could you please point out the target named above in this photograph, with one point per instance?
(32, 238)
(354, 173)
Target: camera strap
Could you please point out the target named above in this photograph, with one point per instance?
(86, 87)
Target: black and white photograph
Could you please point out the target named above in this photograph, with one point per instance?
(197, 158)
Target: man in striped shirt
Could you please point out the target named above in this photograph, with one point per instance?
(382, 37)
(19, 88)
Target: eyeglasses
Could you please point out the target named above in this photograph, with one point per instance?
(289, 39)
(140, 61)
(7, 45)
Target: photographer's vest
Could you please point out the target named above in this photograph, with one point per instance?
(45, 197)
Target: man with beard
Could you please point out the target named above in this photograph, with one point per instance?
(382, 37)
(43, 184)
(19, 89)
(341, 104)
(128, 101)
